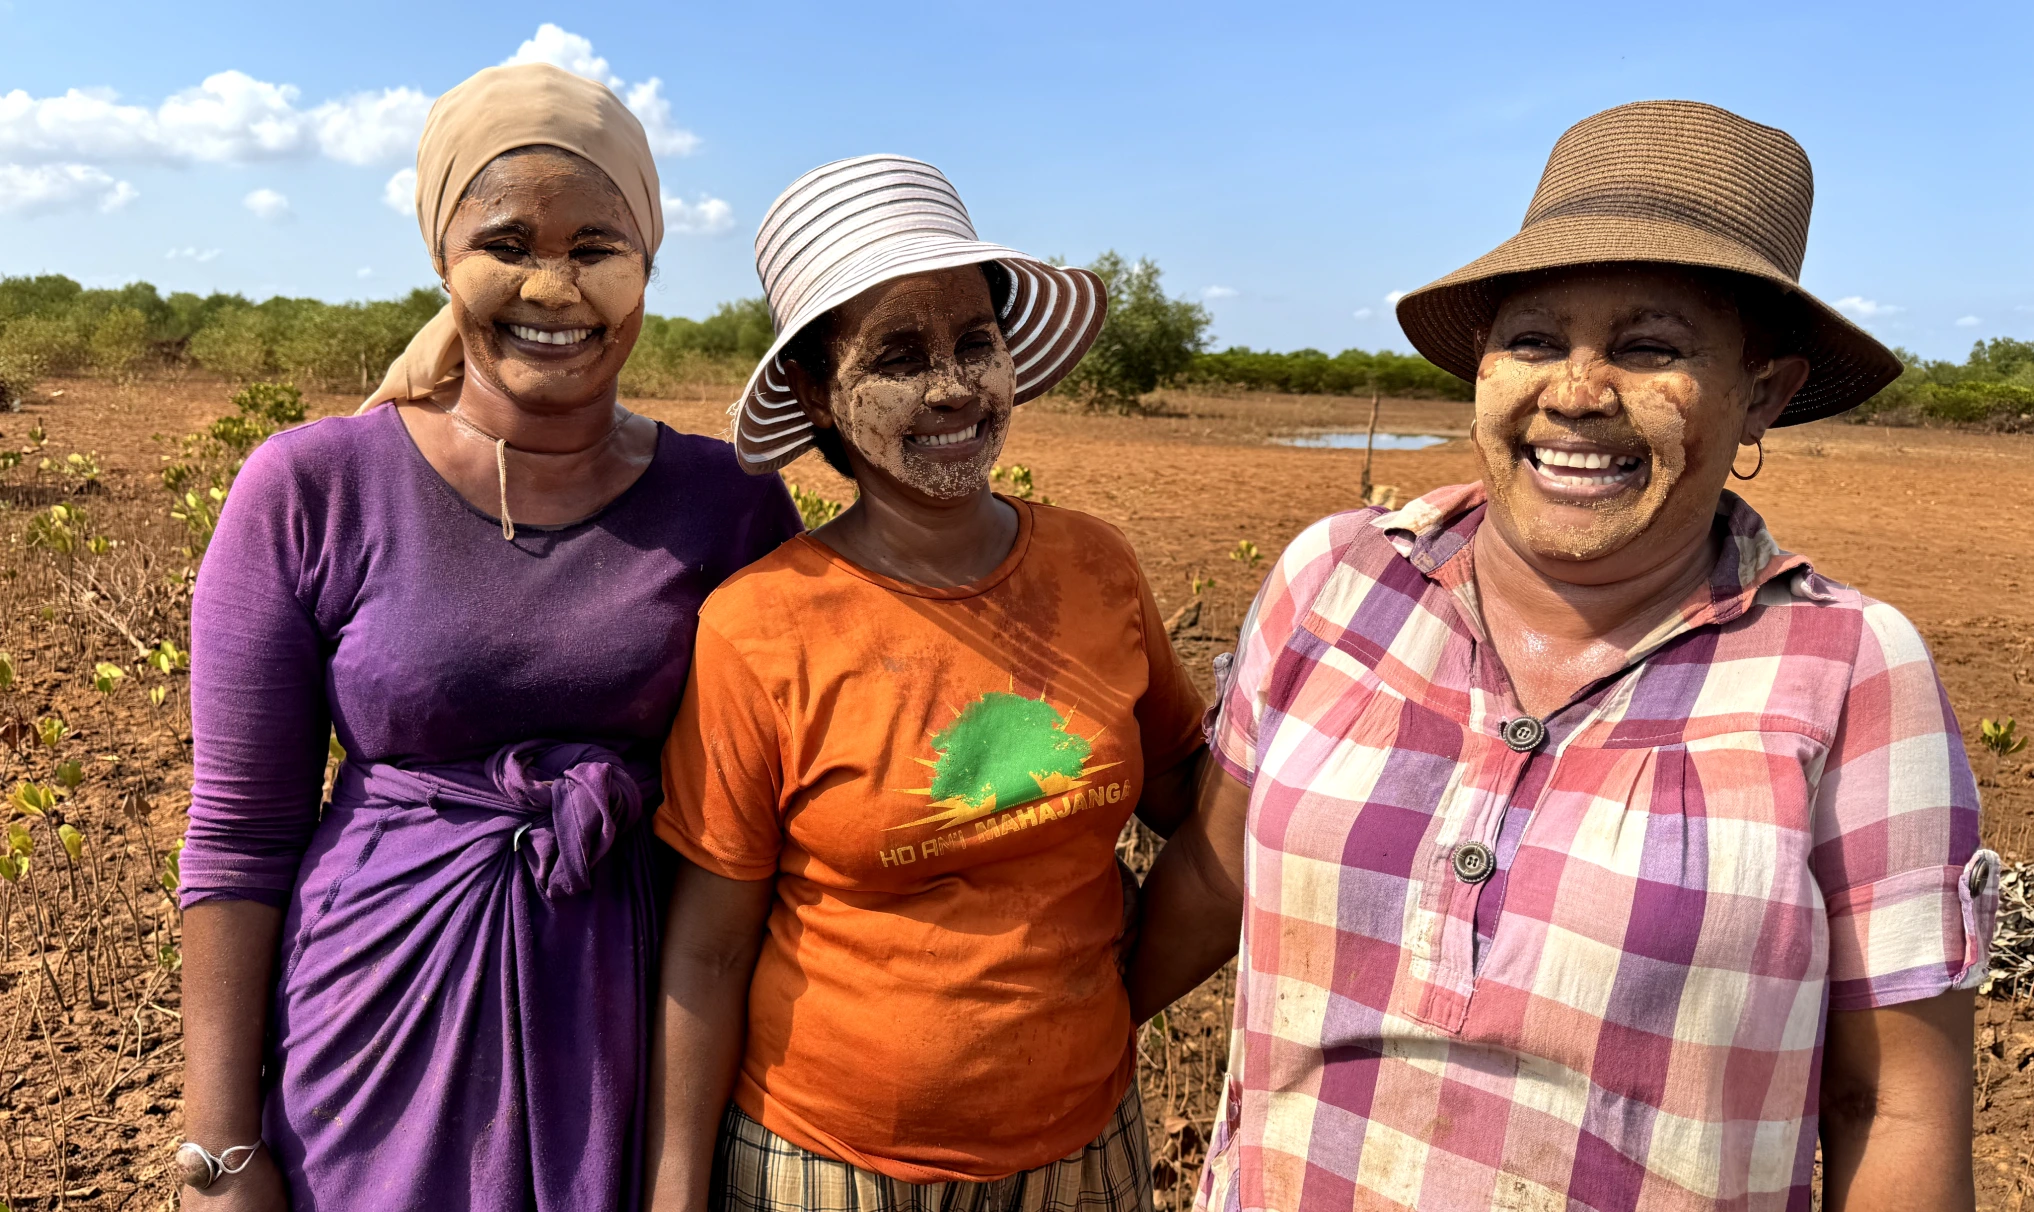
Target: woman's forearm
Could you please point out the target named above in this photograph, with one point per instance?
(713, 931)
(228, 970)
(1192, 902)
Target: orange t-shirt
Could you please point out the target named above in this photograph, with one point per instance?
(937, 778)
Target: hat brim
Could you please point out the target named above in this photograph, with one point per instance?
(1847, 365)
(1052, 316)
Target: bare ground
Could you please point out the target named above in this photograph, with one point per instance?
(90, 1063)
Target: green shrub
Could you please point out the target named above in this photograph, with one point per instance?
(119, 341)
(1972, 402)
(1311, 372)
(815, 510)
(235, 345)
(1995, 383)
(47, 294)
(675, 351)
(345, 346)
(278, 404)
(52, 345)
(202, 473)
(1147, 341)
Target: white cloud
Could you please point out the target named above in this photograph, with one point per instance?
(567, 50)
(53, 150)
(82, 122)
(43, 188)
(1395, 296)
(229, 118)
(650, 107)
(400, 194)
(365, 271)
(1969, 322)
(1219, 292)
(232, 117)
(1868, 308)
(191, 254)
(562, 48)
(371, 128)
(267, 204)
(1363, 313)
(706, 217)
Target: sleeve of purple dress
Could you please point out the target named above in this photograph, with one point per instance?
(259, 720)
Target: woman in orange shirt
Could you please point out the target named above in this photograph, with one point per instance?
(909, 743)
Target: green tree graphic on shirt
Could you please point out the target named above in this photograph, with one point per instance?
(1002, 751)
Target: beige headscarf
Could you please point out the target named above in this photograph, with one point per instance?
(496, 110)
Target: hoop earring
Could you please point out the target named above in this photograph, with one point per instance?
(1756, 467)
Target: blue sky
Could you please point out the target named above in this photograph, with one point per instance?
(1290, 165)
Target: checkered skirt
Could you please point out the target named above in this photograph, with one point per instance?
(755, 1170)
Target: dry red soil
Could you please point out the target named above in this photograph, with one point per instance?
(1932, 521)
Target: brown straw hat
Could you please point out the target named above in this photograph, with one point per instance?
(1674, 182)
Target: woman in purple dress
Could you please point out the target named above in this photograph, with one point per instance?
(434, 993)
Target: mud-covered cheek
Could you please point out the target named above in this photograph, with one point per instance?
(614, 288)
(877, 417)
(1659, 412)
(484, 286)
(1506, 388)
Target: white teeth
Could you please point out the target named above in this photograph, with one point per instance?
(947, 439)
(1583, 460)
(571, 336)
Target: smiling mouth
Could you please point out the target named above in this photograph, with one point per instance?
(955, 437)
(1586, 474)
(562, 338)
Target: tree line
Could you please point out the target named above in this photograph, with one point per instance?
(51, 325)
(1994, 385)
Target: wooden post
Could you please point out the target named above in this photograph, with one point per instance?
(1370, 440)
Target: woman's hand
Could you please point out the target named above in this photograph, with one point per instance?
(713, 930)
(1896, 1107)
(257, 1188)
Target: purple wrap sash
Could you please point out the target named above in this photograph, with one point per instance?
(468, 960)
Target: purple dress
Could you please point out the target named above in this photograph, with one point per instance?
(469, 946)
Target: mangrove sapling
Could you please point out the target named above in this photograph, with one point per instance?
(12, 729)
(135, 805)
(102, 943)
(73, 844)
(22, 844)
(2001, 737)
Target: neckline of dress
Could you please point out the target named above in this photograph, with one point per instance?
(438, 477)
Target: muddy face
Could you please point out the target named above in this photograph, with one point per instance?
(546, 270)
(1609, 404)
(921, 383)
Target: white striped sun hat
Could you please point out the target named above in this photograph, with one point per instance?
(853, 224)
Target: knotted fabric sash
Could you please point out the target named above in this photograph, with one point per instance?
(467, 965)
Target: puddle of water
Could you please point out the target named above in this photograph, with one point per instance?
(1354, 441)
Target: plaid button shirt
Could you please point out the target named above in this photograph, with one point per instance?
(1592, 970)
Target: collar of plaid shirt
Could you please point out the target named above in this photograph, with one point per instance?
(1765, 815)
(1430, 531)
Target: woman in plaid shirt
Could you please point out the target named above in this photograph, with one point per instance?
(1589, 849)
